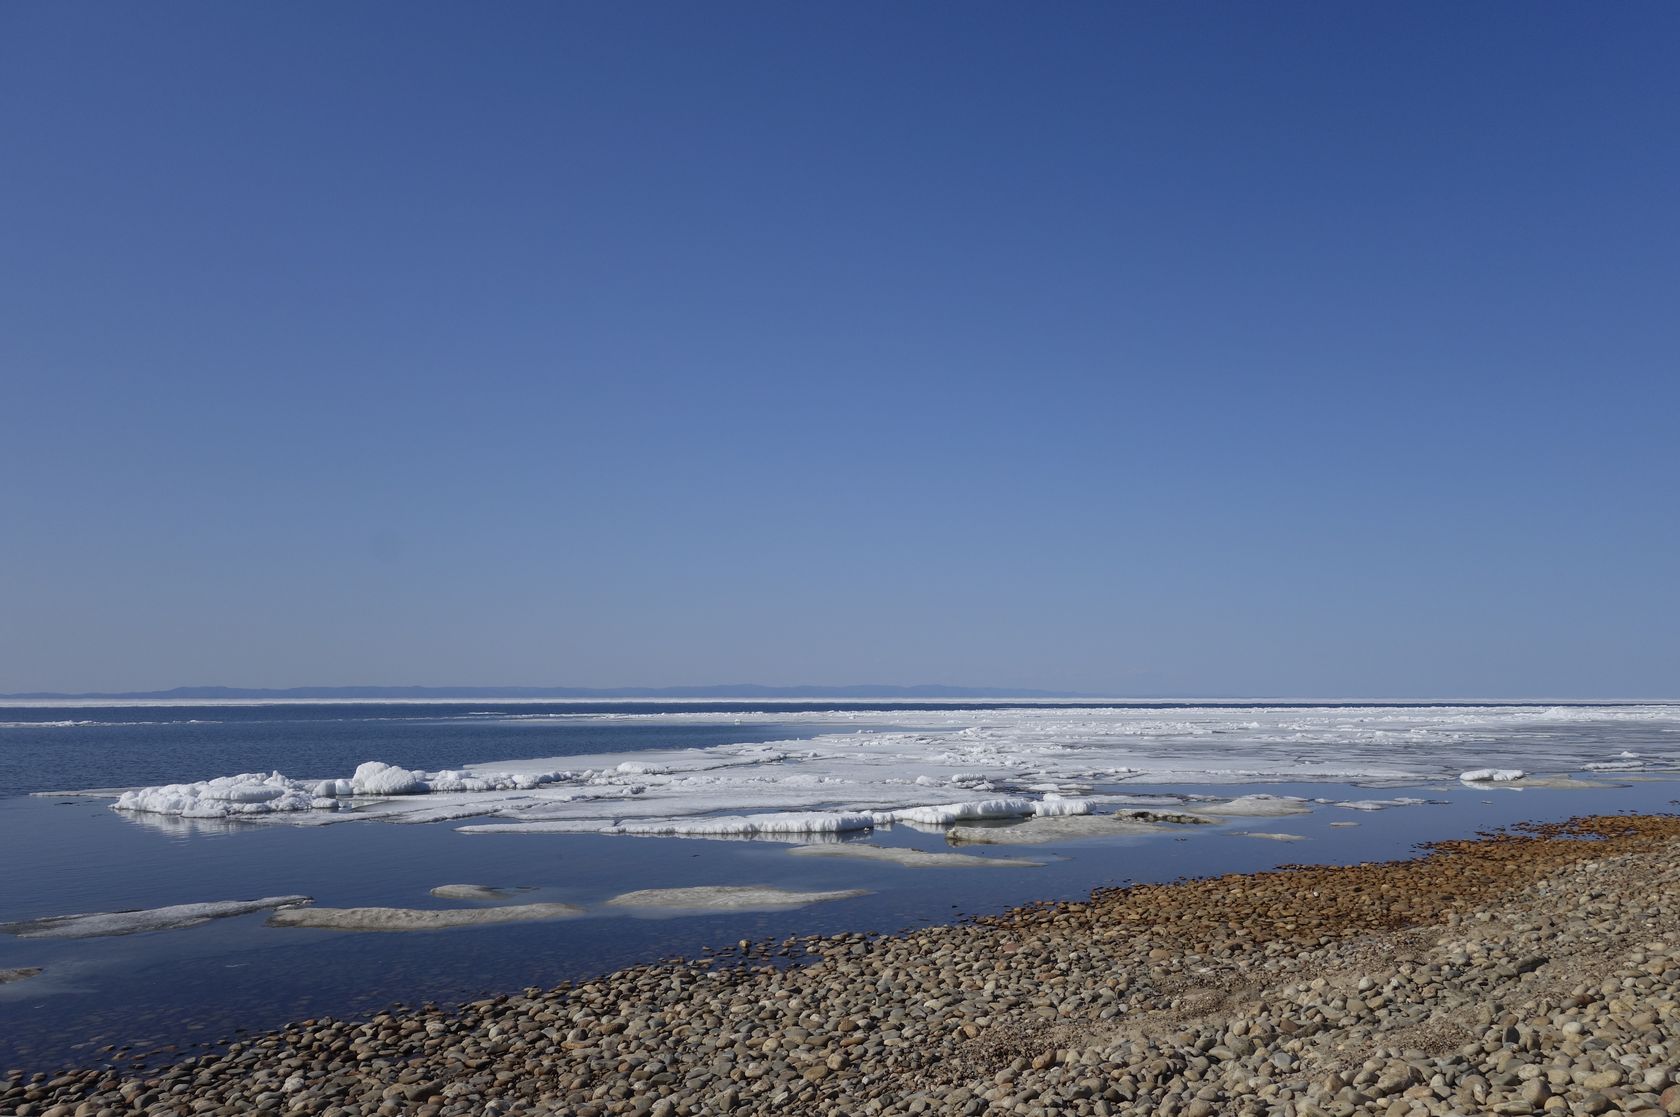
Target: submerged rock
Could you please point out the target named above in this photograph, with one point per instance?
(914, 858)
(88, 925)
(729, 897)
(419, 919)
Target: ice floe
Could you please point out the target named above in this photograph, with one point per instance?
(1056, 828)
(88, 925)
(913, 858)
(1381, 804)
(18, 973)
(258, 793)
(1492, 775)
(1268, 835)
(728, 897)
(419, 919)
(947, 814)
(474, 892)
(1255, 806)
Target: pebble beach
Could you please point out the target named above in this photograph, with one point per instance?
(1528, 971)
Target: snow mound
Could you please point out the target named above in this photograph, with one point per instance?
(97, 924)
(1492, 775)
(914, 858)
(728, 897)
(378, 778)
(418, 919)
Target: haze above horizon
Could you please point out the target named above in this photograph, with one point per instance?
(1105, 349)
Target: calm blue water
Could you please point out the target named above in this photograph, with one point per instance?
(204, 984)
(62, 748)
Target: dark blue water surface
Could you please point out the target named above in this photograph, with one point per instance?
(63, 748)
(204, 984)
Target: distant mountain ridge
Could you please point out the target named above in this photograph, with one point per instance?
(727, 690)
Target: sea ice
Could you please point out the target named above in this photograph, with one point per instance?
(949, 813)
(728, 897)
(19, 973)
(1492, 775)
(418, 919)
(905, 766)
(474, 892)
(756, 825)
(914, 858)
(1255, 806)
(1381, 804)
(101, 923)
(1268, 835)
(1053, 828)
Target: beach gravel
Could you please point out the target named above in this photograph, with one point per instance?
(1535, 971)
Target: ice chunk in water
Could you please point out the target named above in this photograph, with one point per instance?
(99, 923)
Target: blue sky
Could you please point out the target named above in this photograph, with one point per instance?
(1288, 349)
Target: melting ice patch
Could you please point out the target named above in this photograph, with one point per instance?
(474, 892)
(96, 924)
(913, 858)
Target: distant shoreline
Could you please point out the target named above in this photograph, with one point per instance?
(752, 693)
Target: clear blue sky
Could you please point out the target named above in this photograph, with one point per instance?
(1275, 348)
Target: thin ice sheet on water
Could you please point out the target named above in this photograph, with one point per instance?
(912, 858)
(97, 924)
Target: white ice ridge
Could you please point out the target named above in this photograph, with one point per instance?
(253, 793)
(1492, 775)
(939, 766)
(90, 925)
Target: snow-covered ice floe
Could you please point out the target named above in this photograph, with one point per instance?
(913, 858)
(1268, 835)
(256, 793)
(1492, 775)
(419, 919)
(848, 771)
(728, 897)
(97, 924)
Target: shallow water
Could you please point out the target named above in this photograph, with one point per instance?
(202, 984)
